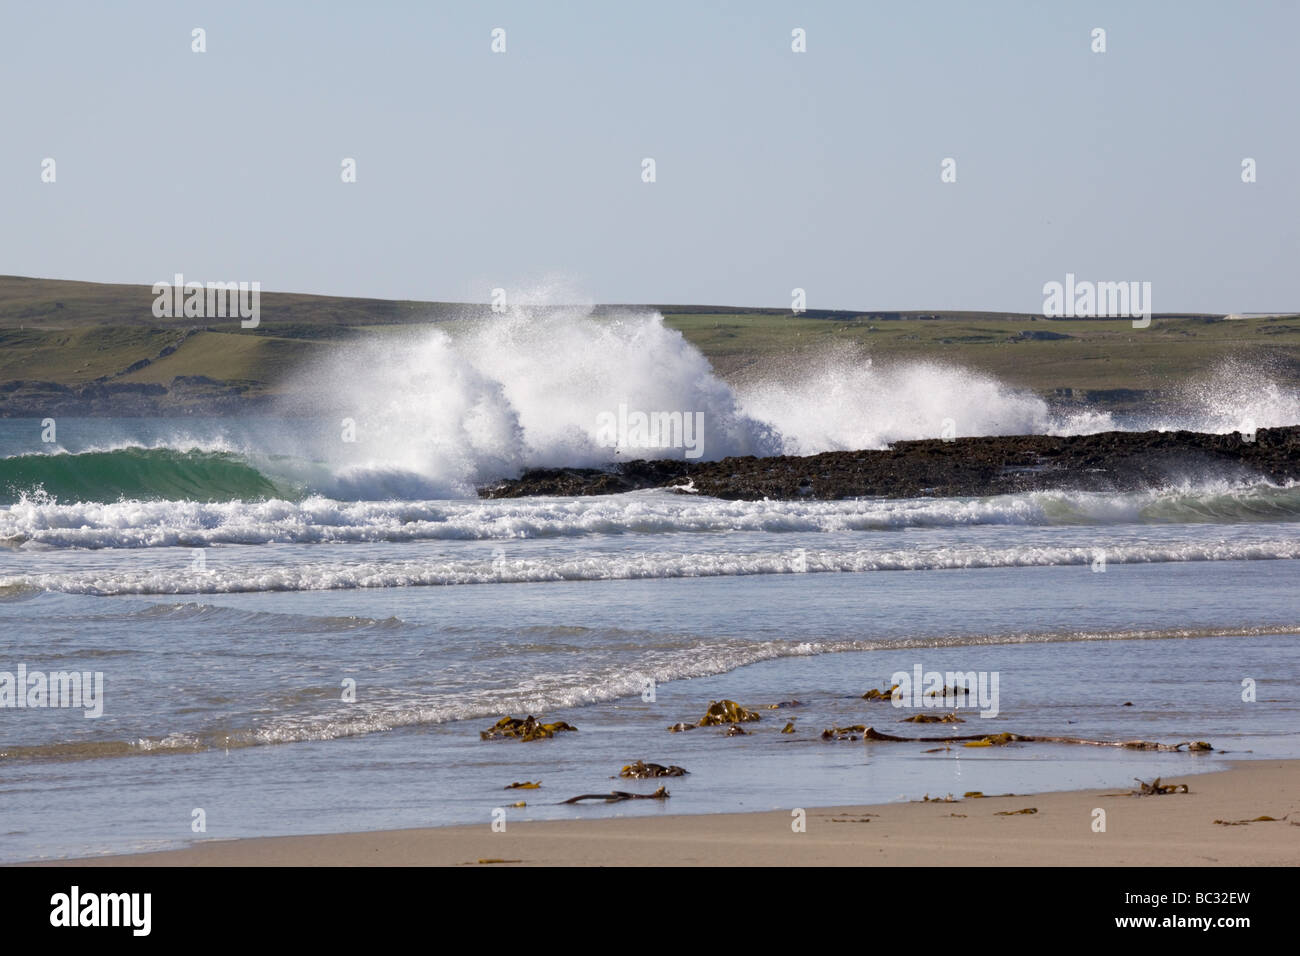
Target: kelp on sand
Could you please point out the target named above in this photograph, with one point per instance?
(644, 771)
(524, 728)
(853, 732)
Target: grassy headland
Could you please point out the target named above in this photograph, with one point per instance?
(93, 348)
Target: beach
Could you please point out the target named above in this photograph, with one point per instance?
(286, 663)
(1175, 829)
(570, 438)
(303, 621)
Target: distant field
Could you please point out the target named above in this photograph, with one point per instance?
(77, 334)
(1089, 354)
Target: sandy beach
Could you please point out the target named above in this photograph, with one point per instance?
(1175, 829)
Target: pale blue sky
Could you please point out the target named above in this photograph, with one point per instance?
(775, 169)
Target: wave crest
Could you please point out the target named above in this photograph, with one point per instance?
(41, 522)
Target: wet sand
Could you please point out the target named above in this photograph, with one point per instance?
(1176, 829)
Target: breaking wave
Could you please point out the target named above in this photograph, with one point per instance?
(326, 575)
(39, 522)
(136, 473)
(422, 415)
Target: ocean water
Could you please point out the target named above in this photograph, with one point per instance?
(303, 634)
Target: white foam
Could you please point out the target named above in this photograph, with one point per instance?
(839, 400)
(38, 521)
(437, 414)
(1234, 396)
(287, 575)
(434, 415)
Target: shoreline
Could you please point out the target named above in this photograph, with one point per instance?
(1175, 829)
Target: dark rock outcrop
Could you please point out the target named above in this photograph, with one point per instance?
(1110, 461)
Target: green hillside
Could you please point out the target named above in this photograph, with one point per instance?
(64, 338)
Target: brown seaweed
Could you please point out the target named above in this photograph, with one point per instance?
(844, 733)
(886, 693)
(614, 796)
(788, 728)
(527, 728)
(643, 771)
(526, 785)
(932, 719)
(1015, 813)
(726, 712)
(1155, 788)
(952, 693)
(998, 740)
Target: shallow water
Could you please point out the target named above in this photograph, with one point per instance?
(225, 674)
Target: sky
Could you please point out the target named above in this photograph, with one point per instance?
(774, 169)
